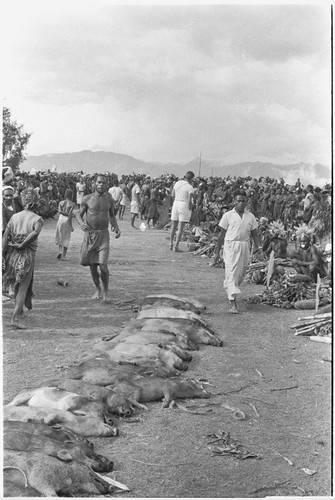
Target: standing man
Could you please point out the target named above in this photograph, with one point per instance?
(80, 188)
(99, 210)
(183, 194)
(135, 201)
(237, 226)
(116, 193)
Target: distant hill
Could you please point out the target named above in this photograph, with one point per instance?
(102, 161)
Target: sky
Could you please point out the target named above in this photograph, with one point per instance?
(169, 82)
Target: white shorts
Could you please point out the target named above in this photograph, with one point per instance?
(180, 212)
(134, 207)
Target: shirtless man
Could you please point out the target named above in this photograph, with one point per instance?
(308, 259)
(99, 210)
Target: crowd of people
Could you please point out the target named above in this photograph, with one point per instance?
(244, 208)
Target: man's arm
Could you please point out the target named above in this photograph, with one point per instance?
(219, 244)
(4, 241)
(256, 238)
(314, 259)
(112, 220)
(82, 211)
(30, 237)
(190, 200)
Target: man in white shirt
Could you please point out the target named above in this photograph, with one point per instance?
(116, 193)
(237, 227)
(135, 202)
(183, 194)
(80, 188)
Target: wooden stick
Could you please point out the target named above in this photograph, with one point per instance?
(313, 324)
(285, 388)
(317, 316)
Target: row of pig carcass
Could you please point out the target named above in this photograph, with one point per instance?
(45, 428)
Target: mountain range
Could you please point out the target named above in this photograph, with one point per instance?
(103, 161)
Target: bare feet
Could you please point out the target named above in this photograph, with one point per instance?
(233, 308)
(97, 295)
(177, 250)
(18, 325)
(106, 298)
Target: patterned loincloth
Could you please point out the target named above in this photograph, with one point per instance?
(19, 263)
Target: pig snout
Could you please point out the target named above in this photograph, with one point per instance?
(216, 341)
(102, 464)
(109, 420)
(181, 366)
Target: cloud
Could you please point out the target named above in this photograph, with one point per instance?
(162, 82)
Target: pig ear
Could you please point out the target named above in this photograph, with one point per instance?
(64, 455)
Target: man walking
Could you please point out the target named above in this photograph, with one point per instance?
(135, 202)
(98, 208)
(181, 212)
(237, 226)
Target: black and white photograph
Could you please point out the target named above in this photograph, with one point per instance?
(167, 245)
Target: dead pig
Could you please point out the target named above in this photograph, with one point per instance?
(170, 312)
(184, 329)
(52, 478)
(156, 389)
(166, 300)
(82, 425)
(59, 399)
(18, 436)
(115, 403)
(15, 484)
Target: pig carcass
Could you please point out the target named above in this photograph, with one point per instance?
(95, 371)
(131, 334)
(156, 389)
(60, 399)
(15, 484)
(82, 425)
(52, 477)
(140, 353)
(185, 330)
(115, 403)
(170, 312)
(165, 300)
(20, 436)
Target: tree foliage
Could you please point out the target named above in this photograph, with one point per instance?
(14, 141)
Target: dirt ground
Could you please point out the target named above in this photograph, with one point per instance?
(166, 454)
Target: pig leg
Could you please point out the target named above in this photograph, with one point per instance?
(135, 403)
(168, 398)
(22, 397)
